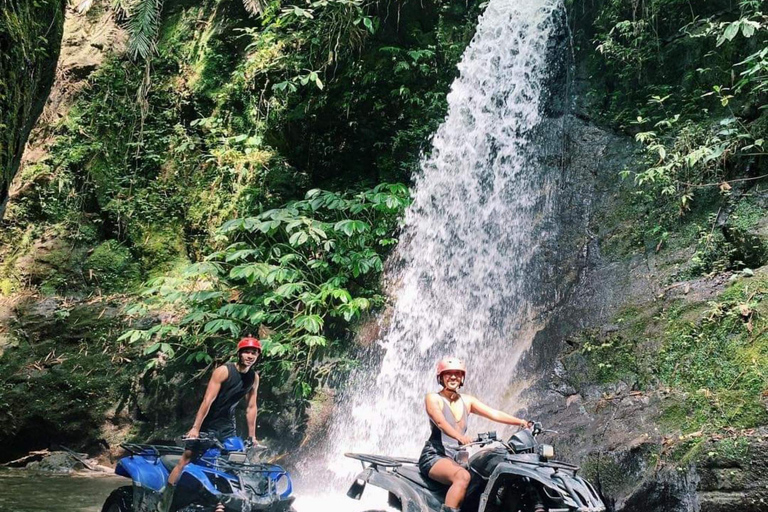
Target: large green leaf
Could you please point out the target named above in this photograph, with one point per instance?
(222, 325)
(310, 323)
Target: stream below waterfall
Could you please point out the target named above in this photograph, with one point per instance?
(23, 491)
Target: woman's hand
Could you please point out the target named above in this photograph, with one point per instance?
(193, 433)
(465, 440)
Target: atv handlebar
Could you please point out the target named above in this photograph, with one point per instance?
(538, 429)
(482, 439)
(256, 447)
(204, 438)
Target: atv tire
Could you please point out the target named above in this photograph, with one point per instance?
(121, 500)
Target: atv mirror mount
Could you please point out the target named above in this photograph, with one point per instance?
(486, 437)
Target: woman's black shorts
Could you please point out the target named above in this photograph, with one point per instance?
(429, 457)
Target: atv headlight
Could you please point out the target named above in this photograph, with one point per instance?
(546, 451)
(283, 484)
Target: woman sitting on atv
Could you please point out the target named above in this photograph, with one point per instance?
(448, 411)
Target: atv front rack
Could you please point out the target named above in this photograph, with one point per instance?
(154, 449)
(381, 460)
(556, 464)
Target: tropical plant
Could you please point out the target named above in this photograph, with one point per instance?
(301, 274)
(686, 150)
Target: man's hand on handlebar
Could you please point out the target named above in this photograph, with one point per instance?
(193, 433)
(252, 443)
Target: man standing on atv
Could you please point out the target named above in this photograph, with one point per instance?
(229, 383)
(448, 411)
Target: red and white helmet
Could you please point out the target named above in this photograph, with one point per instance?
(249, 342)
(451, 363)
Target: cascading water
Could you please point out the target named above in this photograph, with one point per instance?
(470, 256)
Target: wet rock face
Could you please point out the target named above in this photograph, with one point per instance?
(612, 427)
(734, 478)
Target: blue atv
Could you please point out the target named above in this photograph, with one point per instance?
(222, 479)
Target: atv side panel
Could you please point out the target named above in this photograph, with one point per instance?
(573, 491)
(411, 499)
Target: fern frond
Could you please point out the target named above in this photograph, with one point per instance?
(143, 27)
(122, 9)
(254, 7)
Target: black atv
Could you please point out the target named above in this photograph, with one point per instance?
(514, 476)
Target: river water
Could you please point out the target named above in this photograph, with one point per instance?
(28, 492)
(22, 491)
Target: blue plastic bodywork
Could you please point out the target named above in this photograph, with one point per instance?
(145, 472)
(233, 444)
(148, 472)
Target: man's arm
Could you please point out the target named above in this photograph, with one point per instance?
(479, 408)
(252, 409)
(220, 375)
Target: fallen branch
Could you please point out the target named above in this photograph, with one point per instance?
(700, 185)
(30, 457)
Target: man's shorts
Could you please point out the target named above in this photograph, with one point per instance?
(208, 439)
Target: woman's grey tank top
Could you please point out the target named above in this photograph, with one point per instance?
(444, 444)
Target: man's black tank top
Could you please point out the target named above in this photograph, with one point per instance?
(221, 415)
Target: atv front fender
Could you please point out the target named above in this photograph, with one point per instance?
(576, 493)
(146, 474)
(411, 500)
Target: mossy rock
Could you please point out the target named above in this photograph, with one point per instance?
(40, 320)
(112, 267)
(618, 473)
(7, 341)
(53, 264)
(733, 474)
(161, 248)
(61, 380)
(30, 38)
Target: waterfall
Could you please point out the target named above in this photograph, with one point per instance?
(467, 272)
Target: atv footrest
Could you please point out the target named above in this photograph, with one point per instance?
(381, 460)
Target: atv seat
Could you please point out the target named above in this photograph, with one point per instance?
(413, 474)
(170, 461)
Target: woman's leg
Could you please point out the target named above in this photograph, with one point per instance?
(448, 472)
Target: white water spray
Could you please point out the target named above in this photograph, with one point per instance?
(470, 251)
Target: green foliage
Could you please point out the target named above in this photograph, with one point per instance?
(721, 358)
(143, 26)
(304, 271)
(30, 34)
(687, 79)
(617, 356)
